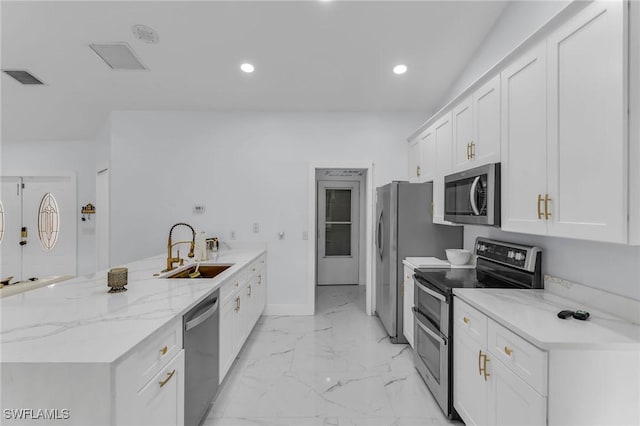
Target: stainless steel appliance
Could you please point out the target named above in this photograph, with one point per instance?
(499, 265)
(200, 358)
(473, 196)
(404, 228)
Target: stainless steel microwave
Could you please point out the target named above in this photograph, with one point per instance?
(473, 196)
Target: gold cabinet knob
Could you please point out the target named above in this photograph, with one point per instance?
(508, 350)
(164, 350)
(466, 320)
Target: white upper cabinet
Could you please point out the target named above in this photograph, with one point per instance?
(476, 127)
(429, 153)
(444, 164)
(587, 110)
(415, 160)
(524, 148)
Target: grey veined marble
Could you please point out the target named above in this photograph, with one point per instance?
(335, 368)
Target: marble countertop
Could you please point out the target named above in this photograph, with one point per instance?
(532, 314)
(77, 321)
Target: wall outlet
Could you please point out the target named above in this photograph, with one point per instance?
(256, 228)
(233, 235)
(199, 209)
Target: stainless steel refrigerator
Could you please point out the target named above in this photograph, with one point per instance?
(405, 228)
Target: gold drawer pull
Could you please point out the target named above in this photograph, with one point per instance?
(164, 382)
(249, 291)
(237, 285)
(164, 350)
(508, 350)
(466, 320)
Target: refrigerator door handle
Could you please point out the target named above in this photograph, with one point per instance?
(379, 236)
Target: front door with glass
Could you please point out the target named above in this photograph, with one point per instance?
(338, 232)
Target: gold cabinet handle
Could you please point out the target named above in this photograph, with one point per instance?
(237, 308)
(468, 151)
(259, 279)
(466, 320)
(473, 149)
(164, 350)
(546, 206)
(484, 368)
(417, 170)
(170, 375)
(508, 350)
(249, 291)
(539, 211)
(237, 285)
(480, 355)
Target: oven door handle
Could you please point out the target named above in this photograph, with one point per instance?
(472, 195)
(427, 328)
(429, 291)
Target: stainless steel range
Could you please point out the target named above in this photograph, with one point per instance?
(499, 265)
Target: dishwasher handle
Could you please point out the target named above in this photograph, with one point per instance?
(203, 317)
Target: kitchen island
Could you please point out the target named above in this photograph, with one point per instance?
(64, 347)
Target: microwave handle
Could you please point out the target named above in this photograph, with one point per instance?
(472, 195)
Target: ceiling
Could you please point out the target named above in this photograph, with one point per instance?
(308, 55)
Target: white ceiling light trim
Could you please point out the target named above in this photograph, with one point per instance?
(118, 56)
(400, 69)
(247, 67)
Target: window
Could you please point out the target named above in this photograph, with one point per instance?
(1, 221)
(48, 222)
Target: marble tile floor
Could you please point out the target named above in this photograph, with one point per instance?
(335, 368)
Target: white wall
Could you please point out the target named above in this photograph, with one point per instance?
(517, 22)
(63, 157)
(246, 168)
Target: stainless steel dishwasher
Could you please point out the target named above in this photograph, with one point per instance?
(200, 358)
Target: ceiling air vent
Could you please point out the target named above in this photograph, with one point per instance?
(118, 56)
(24, 77)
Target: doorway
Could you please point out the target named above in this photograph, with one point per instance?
(338, 228)
(37, 226)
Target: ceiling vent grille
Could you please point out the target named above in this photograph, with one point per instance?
(118, 56)
(24, 77)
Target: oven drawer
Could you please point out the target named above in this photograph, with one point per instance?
(523, 358)
(470, 321)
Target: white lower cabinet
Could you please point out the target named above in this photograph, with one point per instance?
(486, 390)
(149, 382)
(407, 315)
(243, 301)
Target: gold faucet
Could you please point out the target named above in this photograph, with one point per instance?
(170, 259)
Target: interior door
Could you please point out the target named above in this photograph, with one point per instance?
(49, 214)
(10, 224)
(338, 232)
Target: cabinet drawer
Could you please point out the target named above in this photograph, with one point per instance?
(232, 286)
(523, 358)
(469, 321)
(150, 356)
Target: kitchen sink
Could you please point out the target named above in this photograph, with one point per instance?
(206, 271)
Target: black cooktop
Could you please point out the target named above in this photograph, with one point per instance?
(446, 279)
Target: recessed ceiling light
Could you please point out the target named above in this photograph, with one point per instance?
(400, 69)
(246, 67)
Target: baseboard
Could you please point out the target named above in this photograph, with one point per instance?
(288, 310)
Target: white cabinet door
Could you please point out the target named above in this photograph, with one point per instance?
(226, 350)
(587, 154)
(463, 134)
(470, 390)
(159, 402)
(415, 158)
(429, 153)
(524, 142)
(511, 400)
(485, 146)
(444, 165)
(407, 317)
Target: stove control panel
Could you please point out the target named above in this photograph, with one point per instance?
(523, 257)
